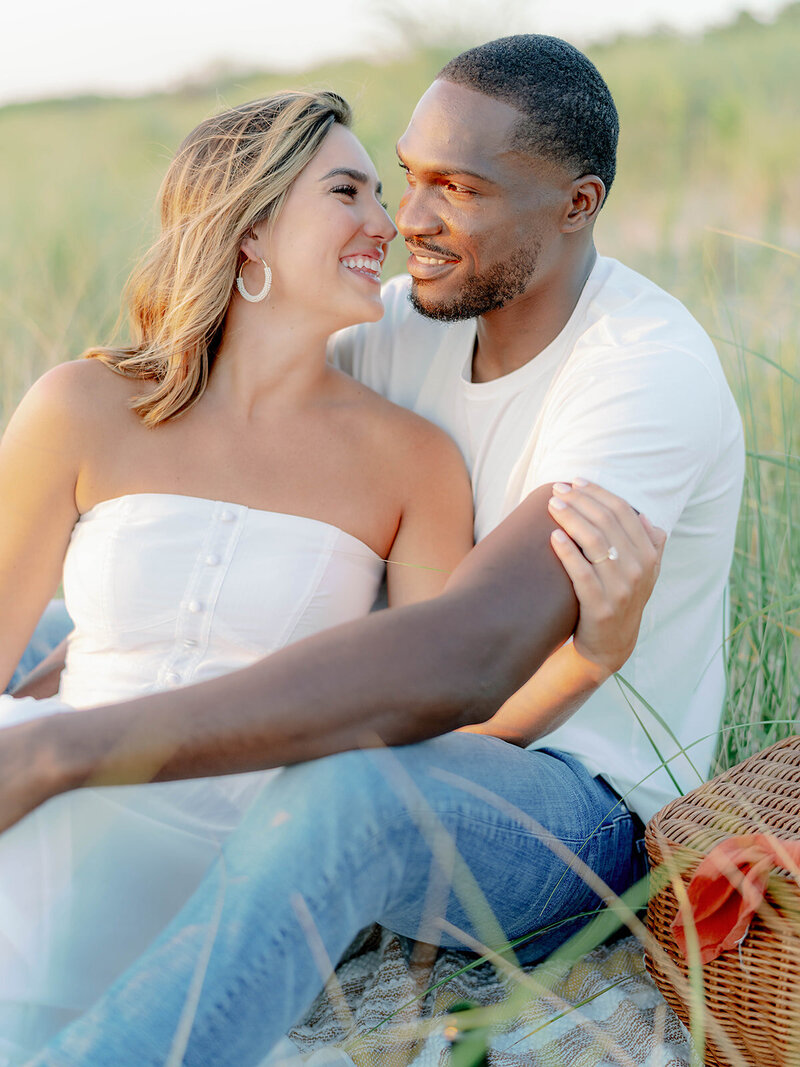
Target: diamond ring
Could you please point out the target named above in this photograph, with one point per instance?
(612, 554)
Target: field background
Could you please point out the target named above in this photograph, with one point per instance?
(706, 202)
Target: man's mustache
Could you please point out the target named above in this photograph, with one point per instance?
(416, 246)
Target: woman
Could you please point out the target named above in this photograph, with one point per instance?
(213, 491)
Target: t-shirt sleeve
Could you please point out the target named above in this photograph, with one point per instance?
(644, 422)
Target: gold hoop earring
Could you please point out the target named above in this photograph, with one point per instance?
(255, 298)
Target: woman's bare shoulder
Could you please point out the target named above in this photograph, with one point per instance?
(81, 390)
(78, 378)
(75, 409)
(406, 446)
(395, 426)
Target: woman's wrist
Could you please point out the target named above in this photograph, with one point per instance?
(595, 669)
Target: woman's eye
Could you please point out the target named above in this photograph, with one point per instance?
(345, 190)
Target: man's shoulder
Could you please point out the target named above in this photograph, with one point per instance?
(627, 309)
(638, 343)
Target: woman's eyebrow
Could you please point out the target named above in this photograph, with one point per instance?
(355, 175)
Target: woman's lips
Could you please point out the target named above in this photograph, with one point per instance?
(366, 266)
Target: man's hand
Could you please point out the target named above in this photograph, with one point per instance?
(613, 556)
(26, 770)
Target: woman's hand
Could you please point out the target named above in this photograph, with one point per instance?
(612, 592)
(613, 556)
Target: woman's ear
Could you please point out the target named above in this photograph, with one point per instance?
(251, 246)
(588, 194)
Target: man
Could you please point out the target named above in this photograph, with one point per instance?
(545, 363)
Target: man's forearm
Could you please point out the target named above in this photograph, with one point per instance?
(393, 678)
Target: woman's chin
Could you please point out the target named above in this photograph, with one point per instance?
(363, 311)
(377, 311)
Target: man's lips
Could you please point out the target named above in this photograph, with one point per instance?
(431, 252)
(427, 263)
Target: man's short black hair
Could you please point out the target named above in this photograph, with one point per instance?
(570, 115)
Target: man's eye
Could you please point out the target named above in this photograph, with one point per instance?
(345, 190)
(454, 187)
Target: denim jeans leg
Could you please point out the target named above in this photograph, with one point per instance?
(450, 834)
(51, 630)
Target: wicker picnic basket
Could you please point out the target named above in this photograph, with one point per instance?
(752, 994)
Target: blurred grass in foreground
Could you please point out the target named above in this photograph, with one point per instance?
(707, 182)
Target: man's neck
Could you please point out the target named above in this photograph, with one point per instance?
(515, 334)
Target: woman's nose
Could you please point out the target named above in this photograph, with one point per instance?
(380, 225)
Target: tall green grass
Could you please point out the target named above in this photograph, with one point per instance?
(764, 640)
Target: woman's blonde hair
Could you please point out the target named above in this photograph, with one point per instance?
(232, 172)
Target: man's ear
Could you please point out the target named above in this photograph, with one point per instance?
(588, 194)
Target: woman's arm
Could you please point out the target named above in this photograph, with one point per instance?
(39, 467)
(612, 594)
(44, 679)
(435, 531)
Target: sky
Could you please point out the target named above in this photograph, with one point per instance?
(53, 48)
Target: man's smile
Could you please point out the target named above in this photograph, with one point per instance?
(429, 262)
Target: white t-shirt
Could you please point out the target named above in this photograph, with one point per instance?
(630, 395)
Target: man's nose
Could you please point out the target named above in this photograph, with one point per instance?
(416, 214)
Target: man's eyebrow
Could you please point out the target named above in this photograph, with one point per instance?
(356, 175)
(450, 171)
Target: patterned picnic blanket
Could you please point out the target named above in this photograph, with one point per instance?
(381, 1009)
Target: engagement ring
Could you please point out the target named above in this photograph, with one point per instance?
(612, 554)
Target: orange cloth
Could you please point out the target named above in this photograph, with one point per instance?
(728, 887)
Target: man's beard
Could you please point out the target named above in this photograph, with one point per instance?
(482, 293)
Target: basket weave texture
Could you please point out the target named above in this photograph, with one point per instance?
(753, 992)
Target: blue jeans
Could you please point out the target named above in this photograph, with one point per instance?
(407, 837)
(53, 627)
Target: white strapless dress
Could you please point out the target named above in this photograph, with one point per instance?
(164, 590)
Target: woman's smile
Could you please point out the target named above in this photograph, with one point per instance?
(368, 265)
